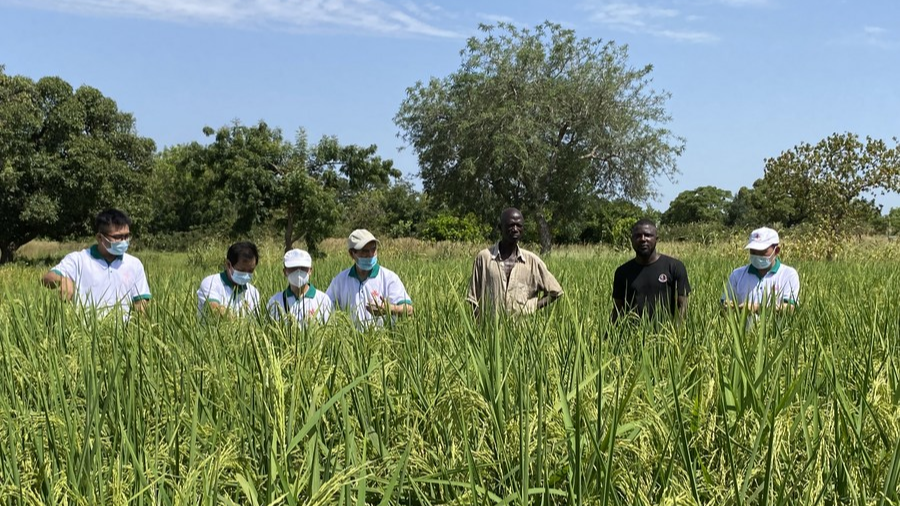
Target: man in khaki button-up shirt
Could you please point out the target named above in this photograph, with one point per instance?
(508, 277)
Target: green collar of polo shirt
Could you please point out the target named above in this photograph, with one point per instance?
(773, 270)
(95, 252)
(373, 273)
(231, 284)
(310, 293)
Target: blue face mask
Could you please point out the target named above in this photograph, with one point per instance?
(241, 278)
(117, 248)
(367, 264)
(760, 261)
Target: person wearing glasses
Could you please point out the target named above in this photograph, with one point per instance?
(368, 290)
(103, 276)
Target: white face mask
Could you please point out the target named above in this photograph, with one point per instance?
(298, 278)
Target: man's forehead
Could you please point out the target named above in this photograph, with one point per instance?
(116, 228)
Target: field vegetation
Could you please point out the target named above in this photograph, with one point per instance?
(560, 408)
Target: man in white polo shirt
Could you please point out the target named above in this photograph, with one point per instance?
(368, 290)
(230, 292)
(300, 302)
(103, 276)
(765, 280)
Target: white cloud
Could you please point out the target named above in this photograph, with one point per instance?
(499, 18)
(373, 16)
(650, 19)
(874, 30)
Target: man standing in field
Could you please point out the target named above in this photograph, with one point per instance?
(368, 290)
(103, 276)
(230, 292)
(506, 277)
(300, 301)
(651, 284)
(765, 281)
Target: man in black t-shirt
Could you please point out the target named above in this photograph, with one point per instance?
(651, 284)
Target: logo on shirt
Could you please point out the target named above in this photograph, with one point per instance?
(663, 278)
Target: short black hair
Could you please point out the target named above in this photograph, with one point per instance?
(641, 222)
(244, 250)
(111, 219)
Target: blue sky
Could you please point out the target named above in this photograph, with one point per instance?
(748, 78)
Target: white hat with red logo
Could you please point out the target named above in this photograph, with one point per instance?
(762, 238)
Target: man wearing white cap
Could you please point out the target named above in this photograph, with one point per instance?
(367, 289)
(766, 280)
(300, 300)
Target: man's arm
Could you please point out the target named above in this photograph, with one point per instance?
(549, 285)
(66, 285)
(618, 310)
(682, 302)
(476, 286)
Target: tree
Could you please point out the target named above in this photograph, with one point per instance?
(540, 120)
(64, 156)
(706, 204)
(832, 185)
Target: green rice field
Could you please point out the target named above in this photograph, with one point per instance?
(559, 408)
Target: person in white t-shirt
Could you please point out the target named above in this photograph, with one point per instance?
(368, 290)
(765, 280)
(230, 292)
(300, 302)
(103, 276)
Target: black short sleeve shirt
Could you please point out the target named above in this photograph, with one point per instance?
(644, 287)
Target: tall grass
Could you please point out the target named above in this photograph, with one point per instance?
(560, 408)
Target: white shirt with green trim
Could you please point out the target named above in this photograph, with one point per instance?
(313, 305)
(349, 293)
(241, 300)
(103, 284)
(781, 283)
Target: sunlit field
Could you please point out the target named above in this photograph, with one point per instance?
(558, 408)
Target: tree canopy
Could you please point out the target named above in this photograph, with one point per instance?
(64, 156)
(538, 119)
(706, 204)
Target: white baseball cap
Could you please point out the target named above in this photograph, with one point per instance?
(762, 238)
(359, 238)
(297, 258)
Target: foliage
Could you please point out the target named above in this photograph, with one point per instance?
(64, 156)
(706, 204)
(448, 227)
(797, 408)
(830, 185)
(540, 120)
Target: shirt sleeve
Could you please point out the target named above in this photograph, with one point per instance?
(68, 267)
(396, 292)
(141, 289)
(549, 284)
(209, 292)
(325, 309)
(476, 283)
(618, 289)
(274, 307)
(331, 292)
(730, 293)
(682, 284)
(791, 291)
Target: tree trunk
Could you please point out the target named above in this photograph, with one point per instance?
(544, 231)
(7, 251)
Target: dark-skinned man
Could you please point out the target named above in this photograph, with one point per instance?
(506, 277)
(650, 285)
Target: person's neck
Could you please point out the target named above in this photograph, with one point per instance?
(299, 291)
(648, 259)
(507, 248)
(361, 274)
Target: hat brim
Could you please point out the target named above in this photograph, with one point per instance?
(760, 245)
(297, 264)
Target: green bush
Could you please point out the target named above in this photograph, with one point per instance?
(447, 227)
